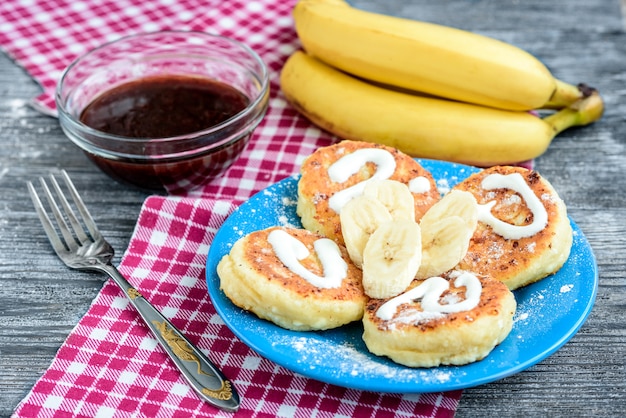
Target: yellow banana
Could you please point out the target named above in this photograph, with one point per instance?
(423, 126)
(429, 58)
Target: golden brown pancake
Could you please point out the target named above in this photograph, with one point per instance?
(260, 275)
(317, 189)
(414, 334)
(522, 257)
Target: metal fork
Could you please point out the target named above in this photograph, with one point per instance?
(88, 250)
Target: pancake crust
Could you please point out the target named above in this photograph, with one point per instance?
(416, 338)
(254, 278)
(518, 262)
(315, 187)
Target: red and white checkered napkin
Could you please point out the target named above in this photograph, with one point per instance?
(45, 36)
(111, 365)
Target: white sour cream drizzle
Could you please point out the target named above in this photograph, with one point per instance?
(341, 170)
(290, 251)
(430, 292)
(419, 185)
(517, 183)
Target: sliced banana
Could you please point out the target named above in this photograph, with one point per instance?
(444, 244)
(454, 203)
(359, 218)
(395, 195)
(447, 228)
(391, 258)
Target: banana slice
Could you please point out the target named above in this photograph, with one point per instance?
(444, 244)
(391, 258)
(447, 228)
(359, 218)
(395, 195)
(454, 203)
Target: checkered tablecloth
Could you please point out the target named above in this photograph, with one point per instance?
(110, 365)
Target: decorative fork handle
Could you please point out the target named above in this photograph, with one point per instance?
(206, 379)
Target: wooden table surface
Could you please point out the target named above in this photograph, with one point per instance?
(579, 40)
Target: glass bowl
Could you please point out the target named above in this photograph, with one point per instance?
(162, 158)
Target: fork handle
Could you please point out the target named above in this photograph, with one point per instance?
(203, 376)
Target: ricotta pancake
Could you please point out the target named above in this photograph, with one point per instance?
(453, 319)
(333, 175)
(523, 233)
(295, 278)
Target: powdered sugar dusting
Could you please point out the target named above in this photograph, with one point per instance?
(521, 316)
(276, 206)
(355, 362)
(443, 186)
(511, 200)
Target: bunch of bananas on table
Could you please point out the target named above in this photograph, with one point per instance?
(431, 91)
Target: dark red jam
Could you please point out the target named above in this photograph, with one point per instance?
(164, 107)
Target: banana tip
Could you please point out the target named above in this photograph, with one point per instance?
(590, 108)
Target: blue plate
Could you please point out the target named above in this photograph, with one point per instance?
(549, 312)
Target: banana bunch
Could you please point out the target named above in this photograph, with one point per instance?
(429, 90)
(383, 239)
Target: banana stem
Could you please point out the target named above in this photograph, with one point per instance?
(567, 94)
(582, 112)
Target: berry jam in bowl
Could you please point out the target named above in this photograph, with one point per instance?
(167, 111)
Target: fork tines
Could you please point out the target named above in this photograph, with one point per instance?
(63, 214)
